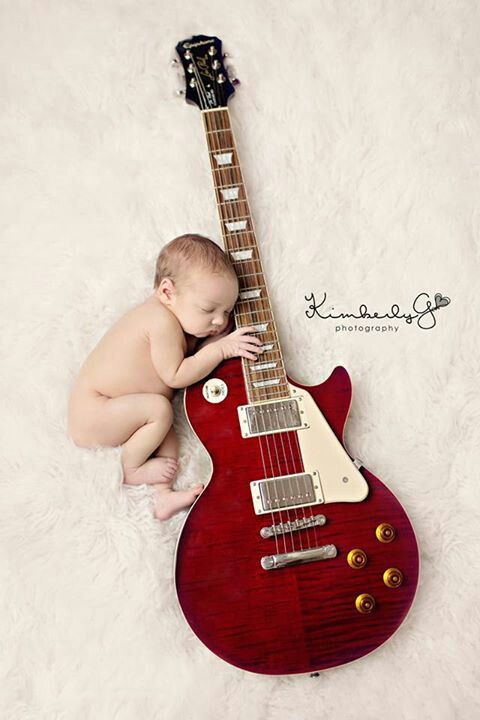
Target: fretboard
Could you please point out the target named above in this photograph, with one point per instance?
(265, 378)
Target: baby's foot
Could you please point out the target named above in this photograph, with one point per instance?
(155, 470)
(168, 502)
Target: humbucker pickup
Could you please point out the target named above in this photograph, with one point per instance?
(272, 417)
(285, 492)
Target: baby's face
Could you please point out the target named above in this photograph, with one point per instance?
(203, 306)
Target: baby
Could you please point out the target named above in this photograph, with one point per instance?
(176, 337)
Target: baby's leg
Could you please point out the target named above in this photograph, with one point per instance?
(138, 421)
(167, 502)
(138, 466)
(142, 423)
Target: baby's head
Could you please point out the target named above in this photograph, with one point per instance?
(197, 282)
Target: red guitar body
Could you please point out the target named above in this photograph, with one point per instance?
(301, 618)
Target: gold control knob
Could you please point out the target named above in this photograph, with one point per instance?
(385, 532)
(393, 577)
(365, 603)
(356, 558)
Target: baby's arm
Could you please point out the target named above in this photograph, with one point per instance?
(177, 371)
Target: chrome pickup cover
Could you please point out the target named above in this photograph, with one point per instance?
(285, 491)
(272, 417)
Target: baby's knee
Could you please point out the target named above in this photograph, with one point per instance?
(160, 409)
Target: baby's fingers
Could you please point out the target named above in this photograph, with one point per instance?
(246, 354)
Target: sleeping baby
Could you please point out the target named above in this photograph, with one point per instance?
(175, 338)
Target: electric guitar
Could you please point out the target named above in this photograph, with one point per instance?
(295, 558)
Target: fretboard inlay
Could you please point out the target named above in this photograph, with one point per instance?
(230, 193)
(237, 225)
(224, 158)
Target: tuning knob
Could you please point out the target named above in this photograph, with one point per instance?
(385, 532)
(174, 62)
(235, 81)
(180, 93)
(365, 603)
(393, 577)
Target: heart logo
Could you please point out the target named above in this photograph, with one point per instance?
(441, 300)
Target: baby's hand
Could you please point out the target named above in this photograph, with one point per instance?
(239, 344)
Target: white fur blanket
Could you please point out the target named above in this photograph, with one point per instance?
(357, 124)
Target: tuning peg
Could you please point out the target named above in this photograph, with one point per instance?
(235, 81)
(226, 55)
(179, 93)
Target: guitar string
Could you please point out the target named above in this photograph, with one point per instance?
(271, 475)
(273, 436)
(267, 485)
(259, 438)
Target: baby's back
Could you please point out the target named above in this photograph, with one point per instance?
(121, 362)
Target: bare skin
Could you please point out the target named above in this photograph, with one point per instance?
(123, 393)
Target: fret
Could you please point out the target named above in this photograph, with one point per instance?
(222, 149)
(249, 275)
(242, 217)
(227, 187)
(234, 201)
(252, 312)
(214, 132)
(256, 287)
(230, 167)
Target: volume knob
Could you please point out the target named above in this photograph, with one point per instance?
(393, 577)
(365, 603)
(356, 558)
(385, 532)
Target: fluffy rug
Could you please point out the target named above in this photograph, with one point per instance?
(357, 127)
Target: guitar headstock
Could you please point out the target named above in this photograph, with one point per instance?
(206, 80)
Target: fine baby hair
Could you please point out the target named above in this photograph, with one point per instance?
(187, 252)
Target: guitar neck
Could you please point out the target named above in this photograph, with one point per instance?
(266, 378)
